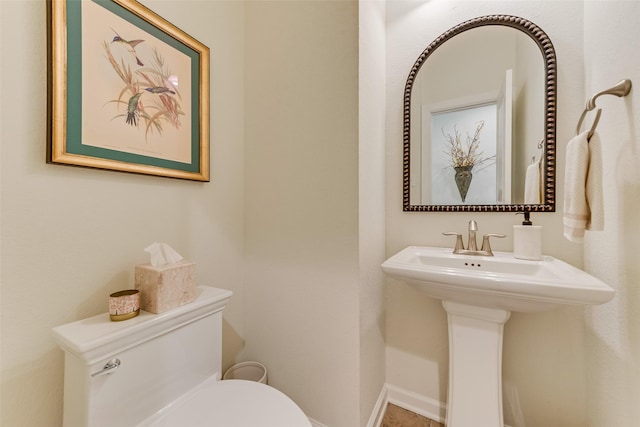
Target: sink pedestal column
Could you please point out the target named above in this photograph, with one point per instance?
(475, 365)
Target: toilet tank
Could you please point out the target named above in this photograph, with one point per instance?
(161, 357)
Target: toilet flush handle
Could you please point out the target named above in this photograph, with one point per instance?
(108, 368)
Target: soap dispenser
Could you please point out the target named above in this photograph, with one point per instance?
(527, 240)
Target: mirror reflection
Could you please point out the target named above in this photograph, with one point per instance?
(481, 128)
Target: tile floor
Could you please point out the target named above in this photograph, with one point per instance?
(395, 416)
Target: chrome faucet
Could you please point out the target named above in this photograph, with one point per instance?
(472, 247)
(471, 242)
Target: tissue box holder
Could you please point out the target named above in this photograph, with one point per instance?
(166, 287)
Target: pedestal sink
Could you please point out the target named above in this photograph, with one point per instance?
(479, 293)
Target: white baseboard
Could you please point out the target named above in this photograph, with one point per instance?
(409, 400)
(378, 409)
(414, 402)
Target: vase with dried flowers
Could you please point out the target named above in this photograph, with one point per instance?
(464, 156)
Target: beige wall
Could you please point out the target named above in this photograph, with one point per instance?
(292, 222)
(548, 370)
(372, 201)
(279, 224)
(613, 333)
(302, 265)
(72, 236)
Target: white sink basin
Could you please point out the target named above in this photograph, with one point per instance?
(500, 281)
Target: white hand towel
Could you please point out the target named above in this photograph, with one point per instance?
(576, 209)
(583, 207)
(595, 222)
(532, 184)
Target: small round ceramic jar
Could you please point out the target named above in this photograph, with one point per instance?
(124, 305)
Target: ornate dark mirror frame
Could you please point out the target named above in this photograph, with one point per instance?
(549, 58)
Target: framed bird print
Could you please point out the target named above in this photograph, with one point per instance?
(128, 91)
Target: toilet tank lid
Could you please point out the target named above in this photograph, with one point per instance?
(96, 338)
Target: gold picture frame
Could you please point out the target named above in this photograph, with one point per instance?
(127, 91)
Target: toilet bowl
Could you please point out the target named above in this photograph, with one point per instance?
(163, 370)
(231, 403)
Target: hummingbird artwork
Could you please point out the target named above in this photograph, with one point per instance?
(159, 90)
(132, 109)
(130, 44)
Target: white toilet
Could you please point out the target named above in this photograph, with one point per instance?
(163, 370)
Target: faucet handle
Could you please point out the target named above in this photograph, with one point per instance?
(486, 245)
(459, 245)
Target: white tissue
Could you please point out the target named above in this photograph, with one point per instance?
(162, 254)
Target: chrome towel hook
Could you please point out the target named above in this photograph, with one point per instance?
(622, 88)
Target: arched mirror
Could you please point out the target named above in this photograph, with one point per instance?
(480, 120)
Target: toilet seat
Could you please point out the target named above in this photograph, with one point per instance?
(232, 403)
